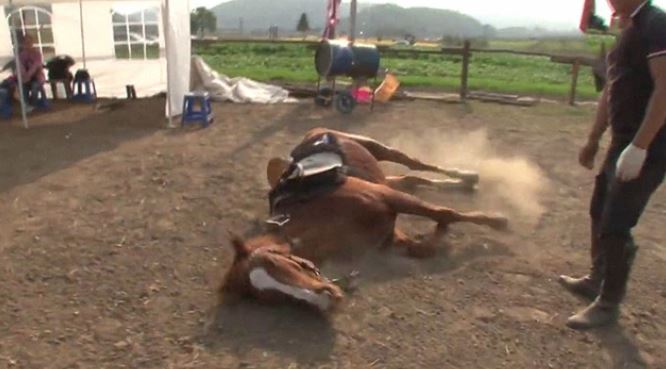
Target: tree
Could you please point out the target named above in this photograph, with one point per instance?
(201, 20)
(303, 25)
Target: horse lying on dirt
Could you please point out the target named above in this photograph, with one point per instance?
(332, 202)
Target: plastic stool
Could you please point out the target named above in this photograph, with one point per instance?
(203, 116)
(85, 90)
(40, 101)
(6, 110)
(65, 83)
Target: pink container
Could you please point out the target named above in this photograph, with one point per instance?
(362, 95)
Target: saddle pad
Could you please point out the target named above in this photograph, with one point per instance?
(316, 164)
(317, 167)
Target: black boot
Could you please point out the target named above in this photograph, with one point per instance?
(588, 286)
(606, 308)
(597, 314)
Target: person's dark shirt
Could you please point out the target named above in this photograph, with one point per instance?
(630, 82)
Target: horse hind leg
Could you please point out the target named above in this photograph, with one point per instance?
(383, 152)
(420, 249)
(410, 183)
(403, 203)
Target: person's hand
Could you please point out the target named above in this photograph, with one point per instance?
(588, 153)
(630, 163)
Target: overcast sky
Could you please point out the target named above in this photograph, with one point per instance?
(560, 14)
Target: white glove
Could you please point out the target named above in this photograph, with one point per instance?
(630, 163)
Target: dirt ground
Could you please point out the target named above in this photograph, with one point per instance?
(112, 243)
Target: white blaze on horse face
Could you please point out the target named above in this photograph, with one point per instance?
(261, 280)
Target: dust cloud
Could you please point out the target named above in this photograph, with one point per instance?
(506, 181)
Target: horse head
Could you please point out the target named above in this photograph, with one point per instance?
(264, 268)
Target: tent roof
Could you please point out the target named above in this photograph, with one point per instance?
(42, 2)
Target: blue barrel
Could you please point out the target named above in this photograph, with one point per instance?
(366, 61)
(334, 58)
(338, 58)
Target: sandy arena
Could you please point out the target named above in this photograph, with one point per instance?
(112, 243)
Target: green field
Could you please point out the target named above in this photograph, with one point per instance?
(488, 72)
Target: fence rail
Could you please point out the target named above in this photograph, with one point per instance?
(466, 52)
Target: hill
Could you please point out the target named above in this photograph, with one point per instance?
(258, 15)
(391, 20)
(385, 20)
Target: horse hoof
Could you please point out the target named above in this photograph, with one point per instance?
(500, 223)
(469, 187)
(470, 179)
(348, 283)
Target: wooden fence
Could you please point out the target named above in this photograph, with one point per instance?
(466, 52)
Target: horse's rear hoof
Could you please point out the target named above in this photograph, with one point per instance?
(469, 187)
(499, 223)
(470, 178)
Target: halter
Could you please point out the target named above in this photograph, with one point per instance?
(303, 263)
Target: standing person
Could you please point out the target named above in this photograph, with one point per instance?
(633, 103)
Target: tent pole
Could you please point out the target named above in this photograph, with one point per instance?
(166, 46)
(17, 67)
(83, 39)
(352, 22)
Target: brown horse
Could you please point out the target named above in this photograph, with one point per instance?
(332, 201)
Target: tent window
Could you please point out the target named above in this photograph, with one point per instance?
(136, 33)
(36, 22)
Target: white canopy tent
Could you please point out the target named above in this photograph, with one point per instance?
(175, 26)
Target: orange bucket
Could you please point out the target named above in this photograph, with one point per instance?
(387, 88)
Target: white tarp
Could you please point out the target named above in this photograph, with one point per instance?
(238, 90)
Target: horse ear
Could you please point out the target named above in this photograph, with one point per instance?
(238, 244)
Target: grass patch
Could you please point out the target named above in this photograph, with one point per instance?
(490, 72)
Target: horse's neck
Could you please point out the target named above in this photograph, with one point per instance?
(270, 239)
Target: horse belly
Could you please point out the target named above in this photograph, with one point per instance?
(363, 162)
(339, 228)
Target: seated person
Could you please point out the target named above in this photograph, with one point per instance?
(31, 69)
(58, 68)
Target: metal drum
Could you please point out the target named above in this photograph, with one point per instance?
(338, 58)
(366, 61)
(333, 58)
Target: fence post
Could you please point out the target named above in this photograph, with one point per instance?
(465, 71)
(574, 82)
